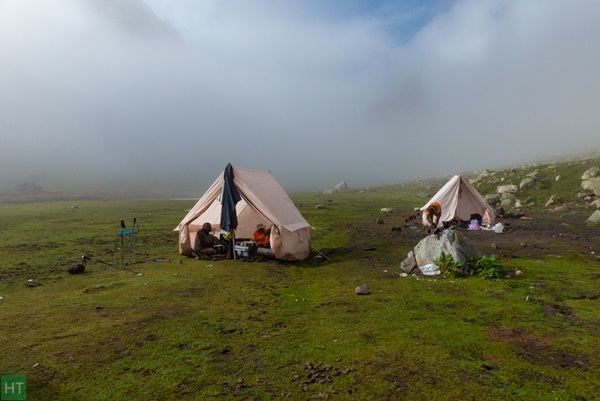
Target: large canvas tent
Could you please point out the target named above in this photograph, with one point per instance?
(459, 200)
(261, 200)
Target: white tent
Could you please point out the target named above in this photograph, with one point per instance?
(263, 201)
(459, 200)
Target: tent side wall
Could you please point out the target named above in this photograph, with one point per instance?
(290, 245)
(446, 198)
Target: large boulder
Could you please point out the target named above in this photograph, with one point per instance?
(450, 242)
(591, 173)
(592, 185)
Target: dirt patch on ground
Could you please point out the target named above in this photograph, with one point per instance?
(532, 236)
(538, 350)
(541, 234)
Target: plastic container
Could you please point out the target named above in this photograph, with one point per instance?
(499, 228)
(474, 224)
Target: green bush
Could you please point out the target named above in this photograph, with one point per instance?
(485, 267)
(449, 267)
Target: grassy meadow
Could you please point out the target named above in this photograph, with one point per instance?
(186, 329)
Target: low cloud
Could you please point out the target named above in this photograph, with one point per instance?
(128, 94)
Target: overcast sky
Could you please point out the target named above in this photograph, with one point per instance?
(167, 92)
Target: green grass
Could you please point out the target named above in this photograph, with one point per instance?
(190, 330)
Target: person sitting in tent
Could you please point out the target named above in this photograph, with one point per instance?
(433, 213)
(262, 236)
(206, 243)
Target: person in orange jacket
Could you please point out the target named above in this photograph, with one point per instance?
(262, 236)
(433, 213)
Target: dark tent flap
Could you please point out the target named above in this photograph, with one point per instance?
(230, 196)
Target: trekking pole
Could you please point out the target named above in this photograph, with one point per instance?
(121, 233)
(131, 239)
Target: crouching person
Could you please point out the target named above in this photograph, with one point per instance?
(206, 244)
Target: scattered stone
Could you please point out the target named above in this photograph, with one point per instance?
(595, 217)
(518, 273)
(320, 206)
(320, 373)
(492, 199)
(380, 221)
(507, 199)
(76, 269)
(362, 289)
(511, 189)
(423, 195)
(527, 183)
(387, 210)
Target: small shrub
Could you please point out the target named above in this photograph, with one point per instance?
(449, 267)
(486, 267)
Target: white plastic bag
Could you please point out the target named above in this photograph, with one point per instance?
(430, 269)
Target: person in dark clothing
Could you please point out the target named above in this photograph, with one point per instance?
(206, 243)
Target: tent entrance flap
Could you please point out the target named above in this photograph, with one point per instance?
(251, 197)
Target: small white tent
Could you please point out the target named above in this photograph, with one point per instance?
(263, 201)
(459, 200)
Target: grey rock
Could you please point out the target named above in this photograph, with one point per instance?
(362, 289)
(591, 173)
(409, 264)
(595, 217)
(492, 199)
(527, 183)
(511, 189)
(592, 185)
(450, 242)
